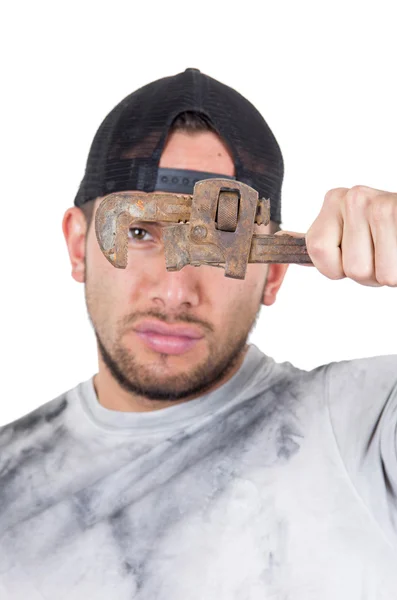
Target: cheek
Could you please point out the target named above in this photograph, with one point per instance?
(255, 279)
(107, 287)
(234, 295)
(113, 292)
(250, 286)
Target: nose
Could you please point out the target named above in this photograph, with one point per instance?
(176, 290)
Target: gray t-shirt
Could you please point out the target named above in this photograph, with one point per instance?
(279, 485)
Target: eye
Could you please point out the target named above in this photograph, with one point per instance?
(137, 234)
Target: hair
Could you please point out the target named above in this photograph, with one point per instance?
(187, 122)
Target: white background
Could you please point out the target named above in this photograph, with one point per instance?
(322, 73)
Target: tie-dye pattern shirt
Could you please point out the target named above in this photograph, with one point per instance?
(279, 485)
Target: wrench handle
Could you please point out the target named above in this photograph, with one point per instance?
(279, 249)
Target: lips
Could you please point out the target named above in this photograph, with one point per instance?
(168, 339)
(169, 330)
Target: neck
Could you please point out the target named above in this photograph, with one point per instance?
(113, 396)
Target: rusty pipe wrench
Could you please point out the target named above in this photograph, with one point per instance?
(214, 226)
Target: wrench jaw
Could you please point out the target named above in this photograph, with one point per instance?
(211, 206)
(176, 246)
(117, 213)
(202, 241)
(113, 218)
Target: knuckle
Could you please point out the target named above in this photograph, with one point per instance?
(383, 209)
(329, 196)
(361, 190)
(334, 195)
(357, 197)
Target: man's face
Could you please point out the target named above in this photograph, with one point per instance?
(220, 309)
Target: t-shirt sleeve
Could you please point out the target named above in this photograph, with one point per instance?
(362, 401)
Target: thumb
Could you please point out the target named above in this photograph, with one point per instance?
(292, 233)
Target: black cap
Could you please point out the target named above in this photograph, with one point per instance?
(127, 147)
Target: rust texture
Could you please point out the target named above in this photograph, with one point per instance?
(213, 227)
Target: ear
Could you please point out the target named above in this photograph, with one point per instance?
(74, 228)
(275, 277)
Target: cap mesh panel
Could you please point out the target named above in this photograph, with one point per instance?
(127, 147)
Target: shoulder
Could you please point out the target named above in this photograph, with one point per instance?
(362, 398)
(345, 389)
(34, 424)
(31, 453)
(363, 375)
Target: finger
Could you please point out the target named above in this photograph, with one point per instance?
(324, 237)
(357, 245)
(383, 225)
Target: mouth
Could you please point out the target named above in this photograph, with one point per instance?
(168, 339)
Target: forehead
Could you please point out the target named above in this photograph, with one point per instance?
(194, 151)
(200, 151)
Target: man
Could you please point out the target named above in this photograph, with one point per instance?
(192, 465)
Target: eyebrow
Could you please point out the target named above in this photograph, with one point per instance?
(154, 223)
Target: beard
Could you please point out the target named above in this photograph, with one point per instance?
(157, 379)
